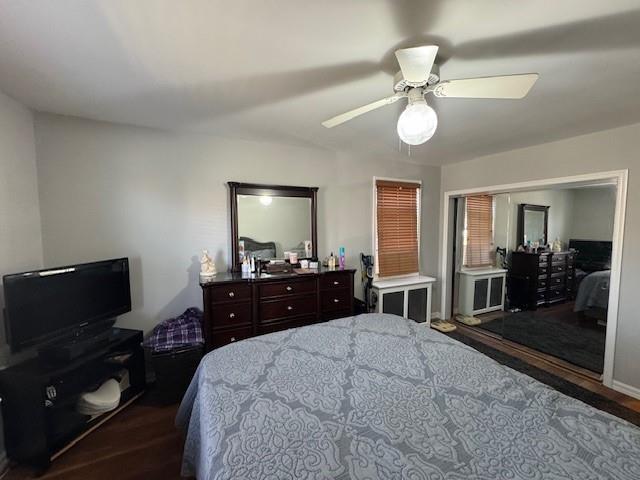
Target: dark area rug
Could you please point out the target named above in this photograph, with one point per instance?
(555, 382)
(550, 334)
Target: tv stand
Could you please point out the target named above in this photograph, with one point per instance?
(75, 346)
(39, 398)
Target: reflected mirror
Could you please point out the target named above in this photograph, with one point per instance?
(532, 224)
(270, 222)
(269, 226)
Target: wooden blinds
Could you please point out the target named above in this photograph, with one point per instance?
(397, 227)
(478, 248)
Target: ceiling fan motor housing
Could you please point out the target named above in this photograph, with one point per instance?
(400, 84)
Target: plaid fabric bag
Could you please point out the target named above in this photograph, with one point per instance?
(182, 331)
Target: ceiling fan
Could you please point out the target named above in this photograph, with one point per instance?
(418, 76)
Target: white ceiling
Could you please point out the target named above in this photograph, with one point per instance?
(274, 69)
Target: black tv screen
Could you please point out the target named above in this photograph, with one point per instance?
(46, 304)
(593, 255)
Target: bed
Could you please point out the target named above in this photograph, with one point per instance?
(377, 396)
(593, 291)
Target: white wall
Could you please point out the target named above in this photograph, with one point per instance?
(108, 190)
(593, 212)
(602, 151)
(20, 236)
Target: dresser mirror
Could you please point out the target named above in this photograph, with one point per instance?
(269, 222)
(532, 224)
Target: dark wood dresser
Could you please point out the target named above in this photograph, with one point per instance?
(539, 279)
(237, 307)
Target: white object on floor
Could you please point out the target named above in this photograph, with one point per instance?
(104, 399)
(481, 290)
(468, 320)
(408, 297)
(443, 326)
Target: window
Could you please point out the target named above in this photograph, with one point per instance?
(478, 231)
(397, 227)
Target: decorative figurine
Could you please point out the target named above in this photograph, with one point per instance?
(207, 267)
(557, 245)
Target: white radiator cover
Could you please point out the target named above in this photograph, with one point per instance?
(479, 290)
(404, 286)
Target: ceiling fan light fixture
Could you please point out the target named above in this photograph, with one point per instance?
(417, 123)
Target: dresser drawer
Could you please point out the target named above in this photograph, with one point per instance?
(335, 300)
(231, 314)
(543, 283)
(293, 287)
(287, 307)
(556, 281)
(286, 324)
(543, 260)
(332, 281)
(543, 271)
(230, 292)
(558, 268)
(224, 337)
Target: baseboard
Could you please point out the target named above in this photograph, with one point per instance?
(626, 389)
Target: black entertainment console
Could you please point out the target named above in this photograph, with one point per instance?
(39, 396)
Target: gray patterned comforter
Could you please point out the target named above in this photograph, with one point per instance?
(377, 397)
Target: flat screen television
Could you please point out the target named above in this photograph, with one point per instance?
(44, 306)
(593, 255)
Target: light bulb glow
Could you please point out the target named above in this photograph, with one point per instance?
(417, 123)
(266, 200)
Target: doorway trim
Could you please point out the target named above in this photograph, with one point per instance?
(620, 177)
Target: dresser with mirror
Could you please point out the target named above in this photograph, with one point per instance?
(273, 224)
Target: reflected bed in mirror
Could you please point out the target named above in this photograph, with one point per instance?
(269, 222)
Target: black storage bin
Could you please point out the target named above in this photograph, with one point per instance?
(174, 370)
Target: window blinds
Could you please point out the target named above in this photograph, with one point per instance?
(478, 248)
(397, 227)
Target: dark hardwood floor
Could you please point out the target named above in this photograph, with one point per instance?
(141, 442)
(550, 364)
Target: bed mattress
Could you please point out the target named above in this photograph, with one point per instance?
(377, 396)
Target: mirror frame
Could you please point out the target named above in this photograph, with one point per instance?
(237, 188)
(525, 207)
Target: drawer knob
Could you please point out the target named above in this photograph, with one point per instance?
(231, 294)
(335, 282)
(233, 339)
(335, 300)
(289, 288)
(289, 307)
(232, 315)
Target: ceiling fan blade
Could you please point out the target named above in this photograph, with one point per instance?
(416, 63)
(505, 86)
(345, 117)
